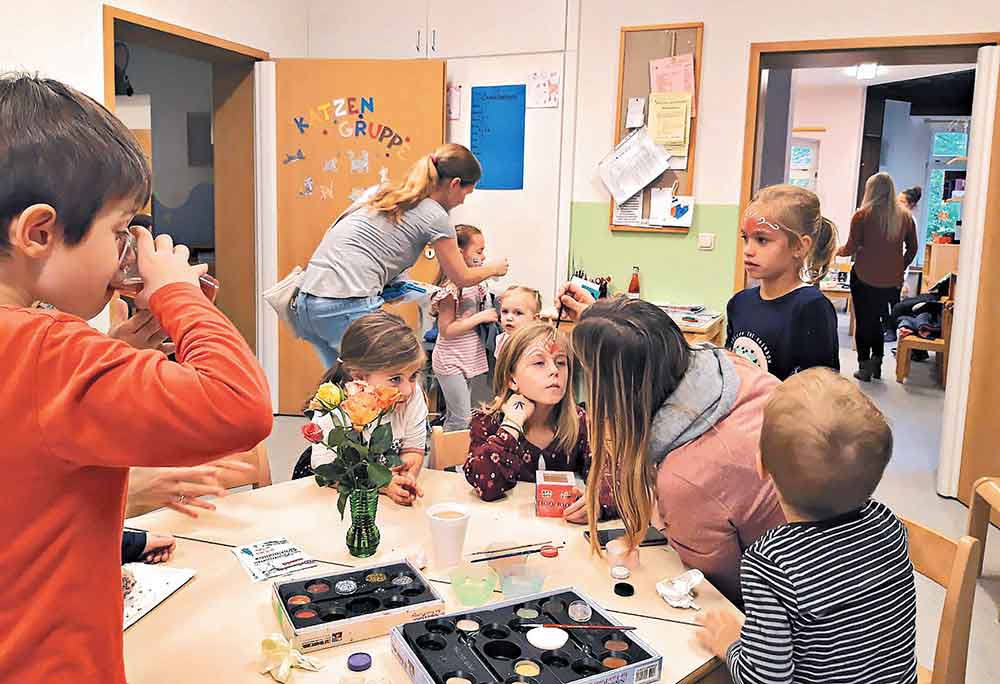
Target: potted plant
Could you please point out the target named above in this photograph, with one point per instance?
(364, 453)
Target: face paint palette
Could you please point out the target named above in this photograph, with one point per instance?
(490, 646)
(321, 611)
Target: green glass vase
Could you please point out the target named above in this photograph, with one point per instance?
(363, 535)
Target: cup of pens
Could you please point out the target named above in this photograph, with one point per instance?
(128, 282)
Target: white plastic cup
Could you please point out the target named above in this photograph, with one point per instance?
(449, 523)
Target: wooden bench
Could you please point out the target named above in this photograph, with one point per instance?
(938, 345)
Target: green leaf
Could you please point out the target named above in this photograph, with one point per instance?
(326, 474)
(379, 475)
(392, 458)
(336, 437)
(345, 495)
(381, 440)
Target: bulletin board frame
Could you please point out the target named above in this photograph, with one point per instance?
(637, 46)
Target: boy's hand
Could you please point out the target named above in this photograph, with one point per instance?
(721, 629)
(141, 331)
(159, 548)
(162, 263)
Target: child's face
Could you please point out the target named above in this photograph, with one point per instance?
(768, 252)
(405, 379)
(77, 279)
(475, 252)
(517, 309)
(542, 372)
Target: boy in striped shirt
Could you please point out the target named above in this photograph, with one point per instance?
(829, 596)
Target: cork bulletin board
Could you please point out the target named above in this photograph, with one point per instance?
(638, 46)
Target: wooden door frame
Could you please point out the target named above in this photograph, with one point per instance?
(753, 90)
(234, 173)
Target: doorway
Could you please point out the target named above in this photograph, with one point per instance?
(965, 449)
(188, 97)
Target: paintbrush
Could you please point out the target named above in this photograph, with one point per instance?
(558, 626)
(527, 552)
(510, 548)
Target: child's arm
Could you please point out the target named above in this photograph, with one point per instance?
(100, 402)
(910, 240)
(492, 466)
(763, 652)
(814, 336)
(853, 238)
(449, 326)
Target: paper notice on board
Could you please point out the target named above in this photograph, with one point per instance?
(634, 163)
(454, 102)
(544, 89)
(673, 75)
(670, 120)
(635, 117)
(629, 212)
(659, 205)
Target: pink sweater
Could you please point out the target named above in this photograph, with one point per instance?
(709, 495)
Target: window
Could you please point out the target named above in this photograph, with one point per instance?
(950, 144)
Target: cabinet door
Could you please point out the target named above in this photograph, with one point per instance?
(495, 27)
(398, 30)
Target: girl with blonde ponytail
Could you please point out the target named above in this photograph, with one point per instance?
(785, 325)
(381, 236)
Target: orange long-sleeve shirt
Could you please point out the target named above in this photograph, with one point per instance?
(77, 408)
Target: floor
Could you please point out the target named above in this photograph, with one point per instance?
(914, 411)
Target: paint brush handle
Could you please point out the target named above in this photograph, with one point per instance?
(619, 628)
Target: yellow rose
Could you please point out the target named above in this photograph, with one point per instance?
(329, 395)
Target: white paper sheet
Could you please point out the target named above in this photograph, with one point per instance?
(629, 212)
(635, 117)
(632, 165)
(153, 584)
(659, 206)
(270, 558)
(544, 89)
(454, 102)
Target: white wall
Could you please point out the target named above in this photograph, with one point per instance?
(905, 155)
(176, 86)
(841, 111)
(63, 38)
(729, 29)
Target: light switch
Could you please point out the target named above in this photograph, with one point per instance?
(706, 241)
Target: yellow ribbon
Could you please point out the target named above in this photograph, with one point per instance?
(278, 658)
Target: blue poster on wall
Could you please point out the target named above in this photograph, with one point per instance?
(497, 135)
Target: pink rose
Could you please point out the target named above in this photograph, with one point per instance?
(312, 432)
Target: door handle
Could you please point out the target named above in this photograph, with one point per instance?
(418, 41)
(434, 34)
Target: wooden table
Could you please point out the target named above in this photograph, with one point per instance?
(212, 626)
(834, 294)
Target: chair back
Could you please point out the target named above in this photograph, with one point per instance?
(448, 448)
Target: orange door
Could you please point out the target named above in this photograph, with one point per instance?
(342, 126)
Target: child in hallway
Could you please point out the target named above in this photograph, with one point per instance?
(830, 595)
(519, 306)
(785, 325)
(78, 407)
(459, 359)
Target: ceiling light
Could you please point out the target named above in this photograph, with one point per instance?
(867, 71)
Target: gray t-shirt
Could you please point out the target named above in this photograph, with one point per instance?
(366, 250)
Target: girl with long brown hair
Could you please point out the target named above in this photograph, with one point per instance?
(381, 236)
(879, 231)
(676, 431)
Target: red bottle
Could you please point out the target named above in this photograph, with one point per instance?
(633, 285)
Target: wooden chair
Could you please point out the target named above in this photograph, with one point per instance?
(261, 477)
(938, 345)
(448, 448)
(952, 565)
(985, 497)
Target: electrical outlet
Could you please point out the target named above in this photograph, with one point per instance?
(706, 241)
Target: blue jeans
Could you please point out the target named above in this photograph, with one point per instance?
(323, 321)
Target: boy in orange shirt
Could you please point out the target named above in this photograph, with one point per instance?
(78, 408)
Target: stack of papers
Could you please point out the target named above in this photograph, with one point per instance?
(270, 558)
(153, 584)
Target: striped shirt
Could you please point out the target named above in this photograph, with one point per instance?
(831, 601)
(462, 354)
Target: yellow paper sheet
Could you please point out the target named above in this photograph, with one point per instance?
(670, 121)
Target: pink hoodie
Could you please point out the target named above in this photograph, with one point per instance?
(710, 498)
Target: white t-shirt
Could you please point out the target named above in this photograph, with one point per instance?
(408, 422)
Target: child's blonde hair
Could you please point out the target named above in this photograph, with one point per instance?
(564, 418)
(797, 211)
(531, 293)
(880, 204)
(376, 342)
(824, 443)
(633, 356)
(427, 174)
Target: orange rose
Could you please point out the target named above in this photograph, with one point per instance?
(362, 409)
(355, 387)
(387, 397)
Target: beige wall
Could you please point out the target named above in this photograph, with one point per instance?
(841, 111)
(730, 27)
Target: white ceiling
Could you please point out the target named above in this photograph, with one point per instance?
(837, 76)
